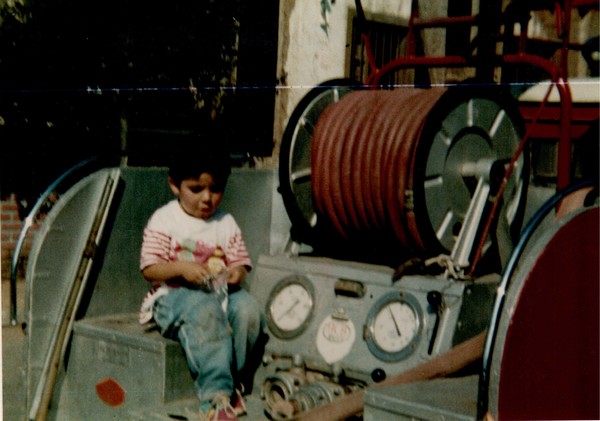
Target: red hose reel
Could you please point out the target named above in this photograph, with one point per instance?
(392, 163)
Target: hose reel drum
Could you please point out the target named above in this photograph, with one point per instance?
(400, 166)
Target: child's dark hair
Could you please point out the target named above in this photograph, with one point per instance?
(191, 162)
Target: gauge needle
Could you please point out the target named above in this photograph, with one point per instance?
(285, 313)
(395, 321)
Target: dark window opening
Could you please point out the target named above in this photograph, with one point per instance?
(387, 43)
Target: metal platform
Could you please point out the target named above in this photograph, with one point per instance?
(151, 371)
(451, 399)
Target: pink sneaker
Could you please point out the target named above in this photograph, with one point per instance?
(224, 414)
(220, 409)
(239, 406)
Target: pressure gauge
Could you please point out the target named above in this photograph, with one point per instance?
(393, 327)
(290, 307)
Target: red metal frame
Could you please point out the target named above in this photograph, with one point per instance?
(558, 74)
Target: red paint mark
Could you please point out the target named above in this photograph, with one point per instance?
(110, 392)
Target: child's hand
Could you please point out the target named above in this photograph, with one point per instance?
(236, 275)
(194, 273)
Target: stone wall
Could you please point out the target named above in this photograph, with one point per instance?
(11, 227)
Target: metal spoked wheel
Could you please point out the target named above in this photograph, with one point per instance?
(295, 156)
(467, 127)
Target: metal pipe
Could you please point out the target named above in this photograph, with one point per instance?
(507, 174)
(27, 223)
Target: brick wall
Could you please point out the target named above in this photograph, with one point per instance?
(11, 227)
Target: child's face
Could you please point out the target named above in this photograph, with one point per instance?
(198, 196)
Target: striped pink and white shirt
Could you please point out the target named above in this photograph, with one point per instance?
(171, 235)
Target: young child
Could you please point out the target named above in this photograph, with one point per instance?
(188, 244)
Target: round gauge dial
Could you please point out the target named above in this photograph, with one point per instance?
(394, 326)
(290, 307)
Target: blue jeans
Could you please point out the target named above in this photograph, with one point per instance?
(197, 320)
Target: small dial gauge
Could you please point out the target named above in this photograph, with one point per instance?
(290, 307)
(393, 326)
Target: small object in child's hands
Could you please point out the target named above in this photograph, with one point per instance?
(216, 262)
(217, 280)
